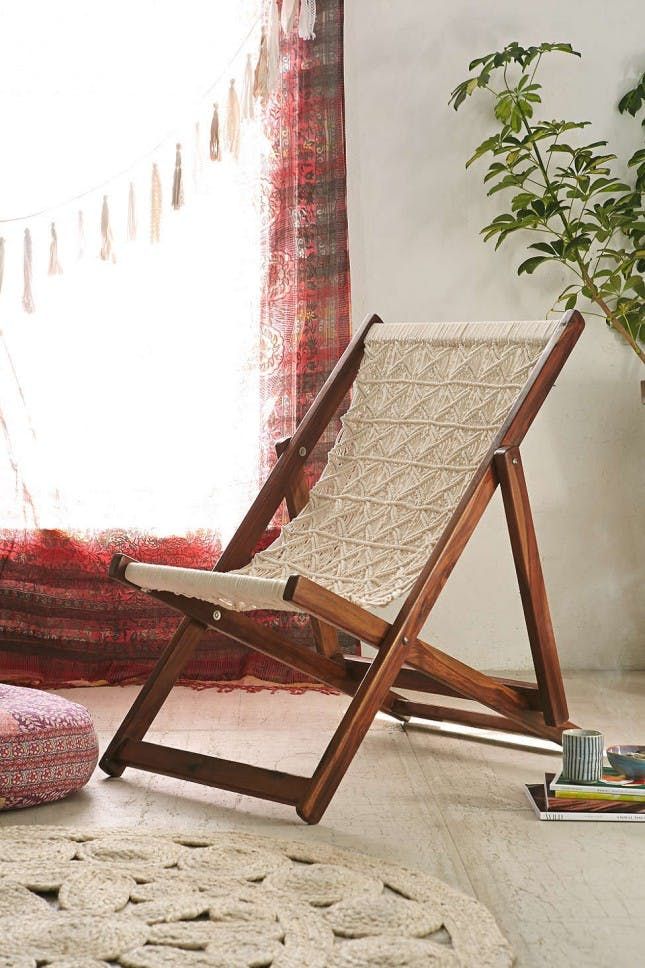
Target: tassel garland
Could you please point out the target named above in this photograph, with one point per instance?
(132, 215)
(214, 144)
(155, 206)
(107, 243)
(288, 15)
(261, 76)
(248, 108)
(273, 48)
(259, 81)
(27, 295)
(55, 268)
(177, 181)
(233, 122)
(307, 19)
(198, 160)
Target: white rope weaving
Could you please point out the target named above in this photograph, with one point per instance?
(427, 403)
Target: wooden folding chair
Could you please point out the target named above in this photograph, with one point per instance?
(437, 416)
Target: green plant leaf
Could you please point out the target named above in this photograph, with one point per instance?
(530, 265)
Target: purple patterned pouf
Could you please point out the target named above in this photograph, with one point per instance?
(48, 747)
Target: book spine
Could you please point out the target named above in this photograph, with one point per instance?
(622, 817)
(594, 795)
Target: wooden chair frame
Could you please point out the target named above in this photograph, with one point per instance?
(403, 660)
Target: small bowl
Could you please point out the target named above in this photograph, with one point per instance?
(626, 761)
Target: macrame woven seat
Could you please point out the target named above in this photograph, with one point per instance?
(427, 402)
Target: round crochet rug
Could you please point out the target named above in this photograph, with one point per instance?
(90, 899)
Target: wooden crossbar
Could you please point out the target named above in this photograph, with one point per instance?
(403, 659)
(254, 781)
(461, 680)
(414, 679)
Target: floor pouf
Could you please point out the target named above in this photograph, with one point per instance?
(48, 747)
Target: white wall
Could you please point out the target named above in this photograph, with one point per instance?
(414, 217)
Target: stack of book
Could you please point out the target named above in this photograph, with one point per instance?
(613, 797)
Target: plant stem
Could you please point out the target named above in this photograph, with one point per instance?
(609, 315)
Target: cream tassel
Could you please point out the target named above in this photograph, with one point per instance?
(198, 160)
(1, 262)
(155, 206)
(27, 295)
(260, 78)
(214, 143)
(307, 19)
(287, 15)
(132, 214)
(81, 235)
(233, 122)
(107, 243)
(177, 181)
(55, 268)
(247, 91)
(273, 48)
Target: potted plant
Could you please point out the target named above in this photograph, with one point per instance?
(564, 194)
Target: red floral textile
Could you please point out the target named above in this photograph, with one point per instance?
(306, 305)
(48, 747)
(62, 621)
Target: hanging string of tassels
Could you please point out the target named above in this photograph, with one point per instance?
(257, 84)
(233, 121)
(132, 214)
(273, 47)
(307, 19)
(261, 75)
(107, 252)
(214, 143)
(55, 268)
(248, 107)
(155, 205)
(177, 181)
(198, 158)
(288, 15)
(27, 295)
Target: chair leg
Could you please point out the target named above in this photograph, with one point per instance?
(153, 693)
(367, 701)
(508, 464)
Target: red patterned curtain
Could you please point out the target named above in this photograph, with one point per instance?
(62, 622)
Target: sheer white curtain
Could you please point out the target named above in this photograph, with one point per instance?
(129, 399)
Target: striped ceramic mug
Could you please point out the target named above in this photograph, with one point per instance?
(582, 755)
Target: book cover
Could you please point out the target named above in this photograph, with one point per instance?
(549, 808)
(613, 783)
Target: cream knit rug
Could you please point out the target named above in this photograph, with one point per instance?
(88, 899)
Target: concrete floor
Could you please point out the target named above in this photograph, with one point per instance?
(565, 894)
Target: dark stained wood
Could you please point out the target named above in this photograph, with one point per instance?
(296, 497)
(477, 686)
(367, 701)
(264, 639)
(402, 657)
(510, 471)
(461, 679)
(254, 781)
(296, 491)
(153, 694)
(242, 545)
(537, 389)
(410, 678)
(469, 717)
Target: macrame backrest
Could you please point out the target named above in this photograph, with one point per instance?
(428, 401)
